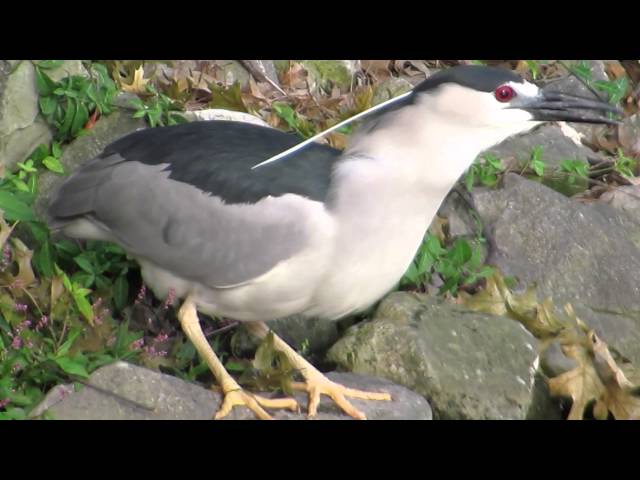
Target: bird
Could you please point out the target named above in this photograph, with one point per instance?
(212, 212)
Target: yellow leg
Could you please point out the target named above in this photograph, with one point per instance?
(233, 393)
(316, 383)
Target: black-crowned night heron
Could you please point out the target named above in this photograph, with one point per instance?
(321, 232)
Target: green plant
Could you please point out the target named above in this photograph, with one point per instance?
(485, 170)
(48, 330)
(458, 265)
(159, 109)
(625, 166)
(304, 128)
(615, 89)
(575, 169)
(537, 164)
(68, 104)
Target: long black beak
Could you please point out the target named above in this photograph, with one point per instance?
(555, 106)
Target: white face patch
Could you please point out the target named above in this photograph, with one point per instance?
(525, 89)
(467, 108)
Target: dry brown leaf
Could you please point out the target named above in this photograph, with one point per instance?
(378, 69)
(23, 257)
(139, 83)
(337, 140)
(257, 90)
(617, 397)
(615, 70)
(490, 300)
(5, 230)
(596, 378)
(57, 288)
(522, 67)
(295, 78)
(581, 384)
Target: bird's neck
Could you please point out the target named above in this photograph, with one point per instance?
(407, 161)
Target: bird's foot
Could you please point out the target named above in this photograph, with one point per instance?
(317, 384)
(239, 397)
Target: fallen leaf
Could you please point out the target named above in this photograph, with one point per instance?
(5, 230)
(138, 85)
(378, 69)
(581, 384)
(617, 397)
(23, 256)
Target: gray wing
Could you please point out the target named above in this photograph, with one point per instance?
(177, 226)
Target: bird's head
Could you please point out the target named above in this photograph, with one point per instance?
(455, 114)
(501, 102)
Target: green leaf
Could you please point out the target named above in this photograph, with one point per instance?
(432, 244)
(40, 231)
(44, 84)
(461, 252)
(411, 275)
(583, 70)
(71, 367)
(39, 153)
(538, 167)
(53, 164)
(83, 304)
(485, 271)
(137, 103)
(56, 151)
(120, 292)
(65, 246)
(70, 113)
(79, 121)
(84, 263)
(20, 185)
(288, 114)
(64, 348)
(469, 179)
(13, 414)
(14, 208)
(43, 261)
(47, 105)
(83, 279)
(232, 366)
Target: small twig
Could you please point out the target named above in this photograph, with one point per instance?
(220, 330)
(33, 300)
(261, 76)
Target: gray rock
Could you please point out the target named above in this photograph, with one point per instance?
(468, 365)
(128, 392)
(311, 336)
(629, 134)
(82, 149)
(624, 198)
(556, 145)
(68, 69)
(20, 129)
(323, 73)
(390, 88)
(232, 71)
(588, 255)
(222, 114)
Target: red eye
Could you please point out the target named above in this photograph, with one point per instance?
(504, 93)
